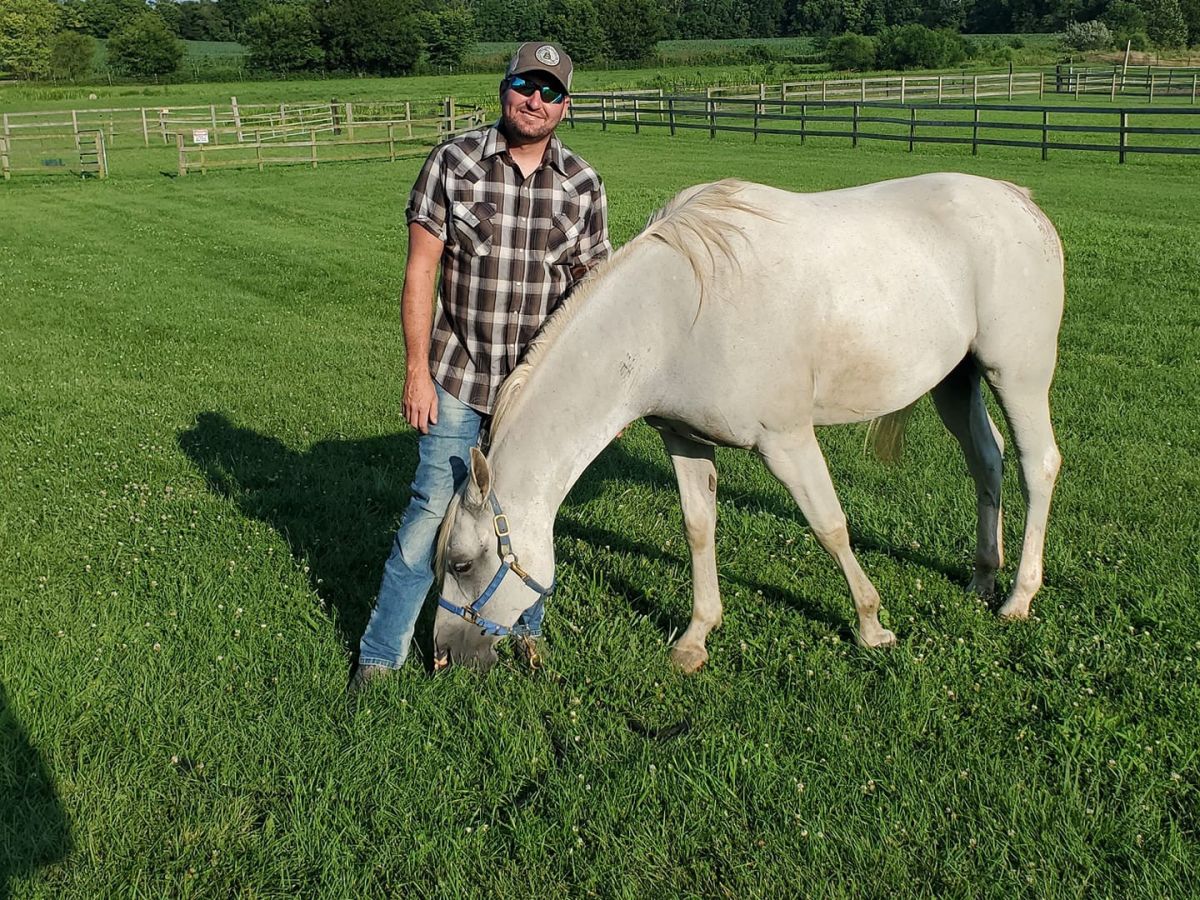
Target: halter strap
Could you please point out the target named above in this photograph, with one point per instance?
(508, 563)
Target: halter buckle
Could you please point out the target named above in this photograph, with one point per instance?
(500, 523)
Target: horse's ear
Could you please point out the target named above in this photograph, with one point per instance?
(480, 484)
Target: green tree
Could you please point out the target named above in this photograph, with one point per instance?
(102, 17)
(144, 47)
(712, 19)
(449, 35)
(1164, 23)
(284, 38)
(851, 53)
(26, 29)
(171, 14)
(202, 21)
(918, 47)
(1191, 18)
(237, 13)
(575, 24)
(71, 55)
(375, 37)
(632, 28)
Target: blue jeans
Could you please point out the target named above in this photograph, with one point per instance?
(442, 468)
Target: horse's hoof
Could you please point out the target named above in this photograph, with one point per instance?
(688, 659)
(982, 585)
(1014, 612)
(881, 640)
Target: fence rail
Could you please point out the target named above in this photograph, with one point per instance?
(85, 148)
(1146, 81)
(381, 139)
(1045, 128)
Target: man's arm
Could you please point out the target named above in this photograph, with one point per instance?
(416, 315)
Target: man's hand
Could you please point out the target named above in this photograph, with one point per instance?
(420, 401)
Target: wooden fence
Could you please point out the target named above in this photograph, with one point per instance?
(1144, 81)
(286, 145)
(904, 88)
(85, 149)
(1045, 128)
(230, 122)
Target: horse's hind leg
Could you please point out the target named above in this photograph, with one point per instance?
(697, 475)
(959, 402)
(796, 460)
(1025, 398)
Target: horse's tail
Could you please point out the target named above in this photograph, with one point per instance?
(885, 435)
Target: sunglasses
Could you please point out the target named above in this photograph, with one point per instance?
(548, 93)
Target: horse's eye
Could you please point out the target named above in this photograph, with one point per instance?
(461, 568)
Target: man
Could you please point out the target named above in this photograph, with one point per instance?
(515, 219)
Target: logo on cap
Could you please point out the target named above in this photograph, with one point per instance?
(547, 55)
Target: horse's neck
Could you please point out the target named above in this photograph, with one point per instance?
(592, 380)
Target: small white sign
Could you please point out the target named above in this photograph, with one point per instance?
(200, 136)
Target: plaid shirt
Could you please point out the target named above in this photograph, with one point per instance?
(511, 245)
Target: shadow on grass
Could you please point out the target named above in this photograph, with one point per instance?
(338, 503)
(33, 826)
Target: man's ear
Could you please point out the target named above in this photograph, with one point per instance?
(479, 485)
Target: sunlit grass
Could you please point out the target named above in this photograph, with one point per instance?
(202, 460)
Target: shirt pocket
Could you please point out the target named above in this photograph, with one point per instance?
(471, 225)
(563, 239)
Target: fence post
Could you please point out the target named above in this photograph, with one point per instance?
(182, 153)
(912, 127)
(1045, 134)
(1078, 83)
(757, 108)
(975, 133)
(603, 114)
(854, 127)
(4, 155)
(391, 142)
(712, 117)
(1113, 96)
(312, 143)
(671, 115)
(975, 90)
(637, 125)
(824, 89)
(1124, 136)
(350, 119)
(335, 116)
(1194, 79)
(162, 122)
(101, 155)
(1151, 98)
(258, 151)
(1041, 85)
(145, 129)
(237, 118)
(940, 77)
(212, 117)
(902, 87)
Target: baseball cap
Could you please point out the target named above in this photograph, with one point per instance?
(542, 56)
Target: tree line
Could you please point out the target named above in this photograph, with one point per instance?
(392, 37)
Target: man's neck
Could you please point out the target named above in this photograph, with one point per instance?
(528, 156)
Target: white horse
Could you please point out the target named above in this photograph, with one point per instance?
(743, 316)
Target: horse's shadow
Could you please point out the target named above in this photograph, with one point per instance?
(33, 826)
(338, 503)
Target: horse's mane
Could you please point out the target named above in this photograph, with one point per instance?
(691, 223)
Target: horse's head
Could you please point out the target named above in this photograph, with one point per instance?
(485, 585)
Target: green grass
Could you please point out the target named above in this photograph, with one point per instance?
(203, 459)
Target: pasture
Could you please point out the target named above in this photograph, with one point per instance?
(203, 460)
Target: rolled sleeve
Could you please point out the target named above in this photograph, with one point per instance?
(427, 204)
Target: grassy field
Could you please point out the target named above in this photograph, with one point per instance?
(203, 460)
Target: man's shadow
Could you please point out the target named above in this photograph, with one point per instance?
(338, 504)
(33, 826)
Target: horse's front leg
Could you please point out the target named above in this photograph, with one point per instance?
(796, 460)
(697, 475)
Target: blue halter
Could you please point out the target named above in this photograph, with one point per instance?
(508, 563)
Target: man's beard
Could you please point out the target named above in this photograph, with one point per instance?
(515, 130)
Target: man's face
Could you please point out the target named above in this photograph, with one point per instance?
(529, 119)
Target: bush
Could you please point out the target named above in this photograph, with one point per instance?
(1164, 23)
(918, 47)
(375, 37)
(71, 55)
(851, 53)
(449, 35)
(144, 46)
(631, 27)
(283, 39)
(1092, 35)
